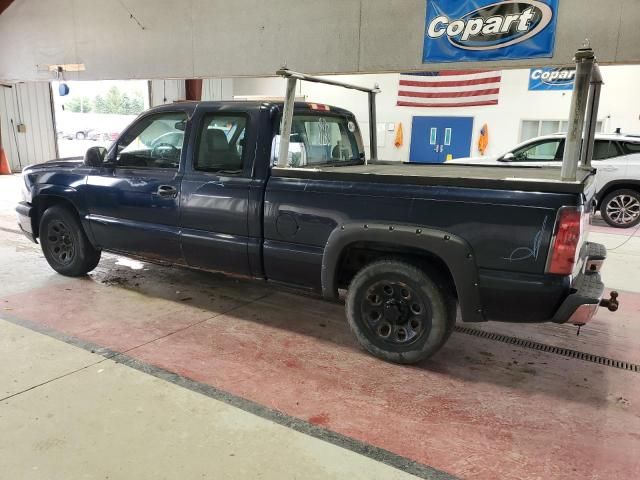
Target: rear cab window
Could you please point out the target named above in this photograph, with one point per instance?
(322, 138)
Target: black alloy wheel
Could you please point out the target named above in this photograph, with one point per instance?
(60, 242)
(65, 244)
(399, 312)
(395, 313)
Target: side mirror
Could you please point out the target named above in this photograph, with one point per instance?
(509, 157)
(95, 156)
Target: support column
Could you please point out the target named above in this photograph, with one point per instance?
(287, 120)
(573, 144)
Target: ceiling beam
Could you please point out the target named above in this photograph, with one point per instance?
(4, 4)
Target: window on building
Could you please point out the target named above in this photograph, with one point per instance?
(535, 128)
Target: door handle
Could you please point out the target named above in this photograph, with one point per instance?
(608, 169)
(167, 191)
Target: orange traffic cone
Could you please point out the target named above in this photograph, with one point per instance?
(5, 169)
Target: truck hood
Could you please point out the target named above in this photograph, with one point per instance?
(70, 162)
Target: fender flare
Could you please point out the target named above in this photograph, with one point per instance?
(62, 191)
(68, 194)
(453, 250)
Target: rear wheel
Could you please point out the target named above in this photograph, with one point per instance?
(621, 208)
(398, 312)
(64, 243)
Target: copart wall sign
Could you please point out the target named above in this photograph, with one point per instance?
(549, 78)
(480, 30)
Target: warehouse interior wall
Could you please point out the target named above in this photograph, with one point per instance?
(30, 104)
(619, 107)
(26, 120)
(155, 39)
(169, 91)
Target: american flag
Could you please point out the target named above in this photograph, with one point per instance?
(460, 88)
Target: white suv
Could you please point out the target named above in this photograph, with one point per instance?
(616, 158)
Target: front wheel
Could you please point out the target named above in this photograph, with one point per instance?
(398, 312)
(64, 243)
(621, 208)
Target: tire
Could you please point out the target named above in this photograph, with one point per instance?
(398, 312)
(64, 243)
(621, 208)
(81, 136)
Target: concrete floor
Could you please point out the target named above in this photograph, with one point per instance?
(140, 371)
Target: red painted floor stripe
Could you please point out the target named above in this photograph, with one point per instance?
(479, 409)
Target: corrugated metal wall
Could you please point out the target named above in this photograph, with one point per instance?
(166, 91)
(217, 89)
(28, 104)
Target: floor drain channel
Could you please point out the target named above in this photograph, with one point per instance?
(542, 347)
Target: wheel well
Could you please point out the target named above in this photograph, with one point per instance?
(42, 203)
(357, 255)
(617, 186)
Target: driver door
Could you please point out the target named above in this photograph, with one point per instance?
(134, 200)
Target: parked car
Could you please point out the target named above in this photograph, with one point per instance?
(81, 134)
(616, 158)
(102, 136)
(406, 244)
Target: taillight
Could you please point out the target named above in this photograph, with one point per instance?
(562, 257)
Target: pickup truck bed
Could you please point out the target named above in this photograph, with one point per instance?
(528, 179)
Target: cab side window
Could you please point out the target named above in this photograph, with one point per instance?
(603, 149)
(155, 141)
(221, 144)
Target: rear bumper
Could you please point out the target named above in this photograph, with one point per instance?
(25, 220)
(587, 289)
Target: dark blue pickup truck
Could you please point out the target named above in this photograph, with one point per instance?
(408, 246)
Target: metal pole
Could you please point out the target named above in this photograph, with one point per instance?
(287, 120)
(373, 127)
(573, 144)
(15, 139)
(285, 72)
(592, 117)
(287, 116)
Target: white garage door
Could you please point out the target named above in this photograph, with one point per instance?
(26, 123)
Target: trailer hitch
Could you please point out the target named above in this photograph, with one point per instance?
(611, 303)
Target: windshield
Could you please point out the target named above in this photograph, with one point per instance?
(322, 140)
